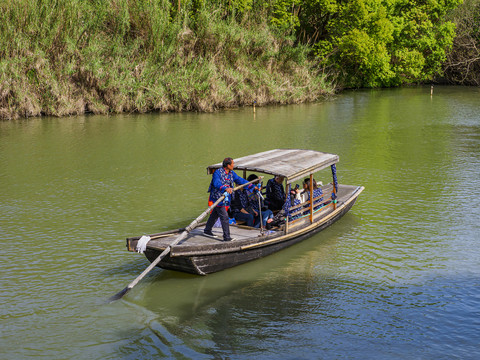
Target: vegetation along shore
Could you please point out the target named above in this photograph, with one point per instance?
(60, 57)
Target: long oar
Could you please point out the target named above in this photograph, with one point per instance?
(260, 212)
(180, 237)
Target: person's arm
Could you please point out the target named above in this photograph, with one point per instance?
(238, 180)
(297, 195)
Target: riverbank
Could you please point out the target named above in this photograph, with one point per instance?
(73, 57)
(62, 61)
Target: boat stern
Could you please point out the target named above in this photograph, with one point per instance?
(132, 243)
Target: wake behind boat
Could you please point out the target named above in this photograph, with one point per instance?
(202, 254)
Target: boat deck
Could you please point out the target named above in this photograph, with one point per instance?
(244, 236)
(196, 238)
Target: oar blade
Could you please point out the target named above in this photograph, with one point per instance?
(118, 295)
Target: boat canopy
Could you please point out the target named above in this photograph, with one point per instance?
(292, 164)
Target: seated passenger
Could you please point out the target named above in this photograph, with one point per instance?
(275, 193)
(256, 202)
(240, 208)
(292, 200)
(317, 193)
(300, 195)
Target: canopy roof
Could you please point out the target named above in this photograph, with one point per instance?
(290, 163)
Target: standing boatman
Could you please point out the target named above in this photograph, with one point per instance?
(223, 180)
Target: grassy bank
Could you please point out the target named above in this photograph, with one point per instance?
(70, 57)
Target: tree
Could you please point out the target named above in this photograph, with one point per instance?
(463, 62)
(376, 43)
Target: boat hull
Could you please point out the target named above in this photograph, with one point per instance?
(212, 262)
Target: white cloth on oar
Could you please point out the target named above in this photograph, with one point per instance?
(142, 243)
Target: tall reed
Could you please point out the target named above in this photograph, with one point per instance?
(70, 57)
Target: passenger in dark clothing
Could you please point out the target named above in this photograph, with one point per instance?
(241, 209)
(275, 196)
(247, 206)
(257, 205)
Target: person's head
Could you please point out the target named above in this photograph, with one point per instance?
(252, 177)
(306, 184)
(228, 163)
(279, 179)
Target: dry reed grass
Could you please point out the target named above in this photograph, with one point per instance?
(132, 57)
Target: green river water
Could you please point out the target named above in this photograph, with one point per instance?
(397, 278)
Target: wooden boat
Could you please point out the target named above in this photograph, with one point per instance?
(202, 254)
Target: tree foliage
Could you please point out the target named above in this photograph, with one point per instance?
(375, 43)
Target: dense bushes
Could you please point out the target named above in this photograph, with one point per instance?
(375, 43)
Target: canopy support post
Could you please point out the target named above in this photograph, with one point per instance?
(287, 193)
(311, 198)
(335, 186)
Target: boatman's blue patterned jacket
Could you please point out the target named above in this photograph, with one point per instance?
(221, 181)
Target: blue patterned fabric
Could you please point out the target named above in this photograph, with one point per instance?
(248, 201)
(253, 200)
(335, 181)
(221, 181)
(316, 193)
(288, 204)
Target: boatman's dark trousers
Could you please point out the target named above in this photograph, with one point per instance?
(219, 212)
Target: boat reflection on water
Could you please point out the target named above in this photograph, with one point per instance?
(237, 307)
(262, 299)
